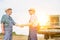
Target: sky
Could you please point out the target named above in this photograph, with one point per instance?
(20, 8)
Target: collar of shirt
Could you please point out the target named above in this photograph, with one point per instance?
(7, 15)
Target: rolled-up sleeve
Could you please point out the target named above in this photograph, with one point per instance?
(13, 22)
(3, 19)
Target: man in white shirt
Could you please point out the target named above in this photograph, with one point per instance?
(33, 26)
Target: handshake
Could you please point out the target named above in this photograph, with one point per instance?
(21, 25)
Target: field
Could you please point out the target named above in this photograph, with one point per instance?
(22, 37)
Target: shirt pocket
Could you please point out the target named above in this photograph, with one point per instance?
(7, 21)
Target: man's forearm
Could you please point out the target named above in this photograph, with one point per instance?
(17, 24)
(28, 24)
(2, 26)
(22, 24)
(3, 29)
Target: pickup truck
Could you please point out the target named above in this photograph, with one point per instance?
(52, 30)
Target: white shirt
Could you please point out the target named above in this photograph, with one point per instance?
(33, 20)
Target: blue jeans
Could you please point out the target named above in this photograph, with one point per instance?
(8, 35)
(32, 34)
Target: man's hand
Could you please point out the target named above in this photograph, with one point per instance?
(3, 32)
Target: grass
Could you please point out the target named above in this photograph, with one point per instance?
(21, 37)
(15, 37)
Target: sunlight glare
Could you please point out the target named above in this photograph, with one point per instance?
(43, 19)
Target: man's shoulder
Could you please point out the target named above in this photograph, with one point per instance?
(4, 15)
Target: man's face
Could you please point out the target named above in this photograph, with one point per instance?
(31, 12)
(9, 12)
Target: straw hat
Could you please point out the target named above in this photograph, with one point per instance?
(8, 9)
(32, 9)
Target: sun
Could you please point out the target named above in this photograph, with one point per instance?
(43, 19)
